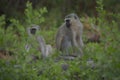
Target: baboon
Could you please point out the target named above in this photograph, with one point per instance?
(69, 35)
(45, 50)
(31, 33)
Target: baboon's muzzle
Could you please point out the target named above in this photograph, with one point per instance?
(67, 21)
(33, 31)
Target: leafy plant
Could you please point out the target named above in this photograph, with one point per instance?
(99, 62)
(34, 16)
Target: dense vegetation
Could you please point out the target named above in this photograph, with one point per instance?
(99, 62)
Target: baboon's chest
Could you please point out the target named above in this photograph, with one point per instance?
(75, 31)
(68, 34)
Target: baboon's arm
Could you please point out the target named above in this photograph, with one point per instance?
(42, 45)
(74, 40)
(59, 38)
(81, 42)
(80, 33)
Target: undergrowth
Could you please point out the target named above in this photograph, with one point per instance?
(99, 62)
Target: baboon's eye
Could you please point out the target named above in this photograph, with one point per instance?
(68, 16)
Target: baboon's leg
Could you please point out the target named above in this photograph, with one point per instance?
(49, 49)
(77, 44)
(66, 45)
(42, 45)
(80, 41)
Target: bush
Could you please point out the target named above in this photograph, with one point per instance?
(99, 62)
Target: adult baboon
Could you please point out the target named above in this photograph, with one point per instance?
(69, 35)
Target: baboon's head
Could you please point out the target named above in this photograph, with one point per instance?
(71, 19)
(33, 29)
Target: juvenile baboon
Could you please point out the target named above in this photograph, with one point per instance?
(69, 35)
(31, 33)
(45, 49)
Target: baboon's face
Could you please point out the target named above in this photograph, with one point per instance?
(33, 31)
(70, 19)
